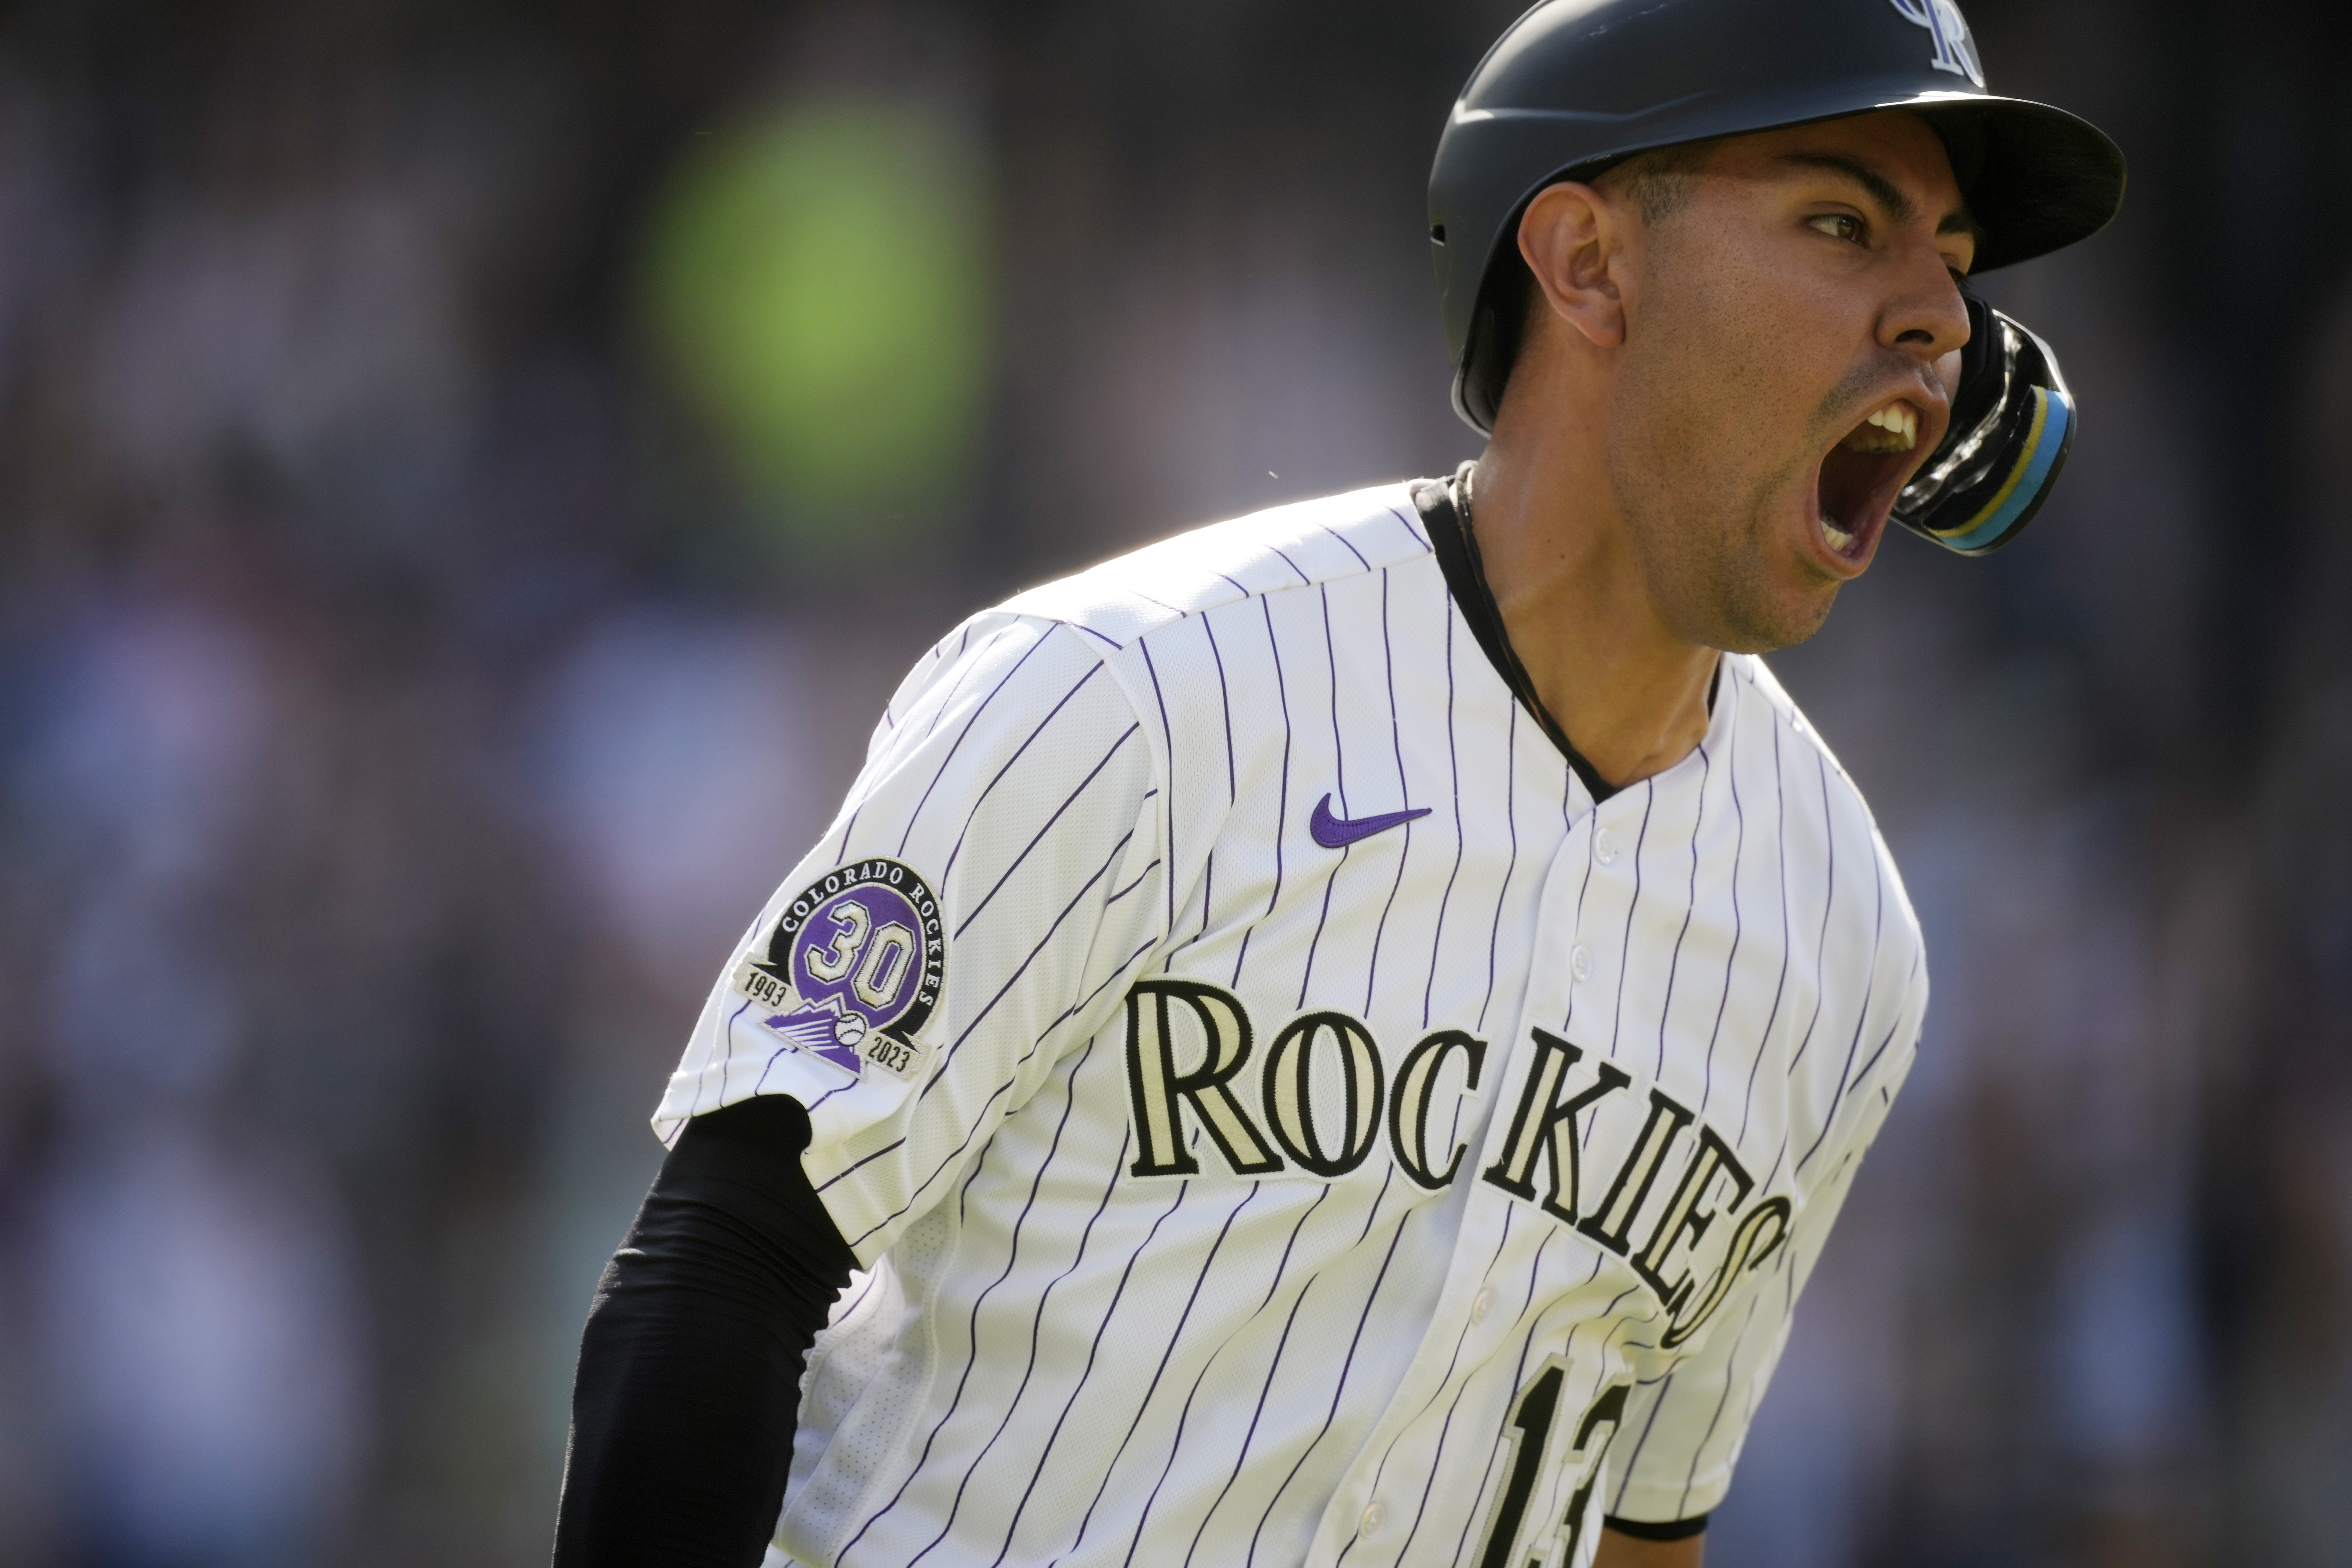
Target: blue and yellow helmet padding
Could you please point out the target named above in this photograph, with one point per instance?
(2013, 422)
(2013, 506)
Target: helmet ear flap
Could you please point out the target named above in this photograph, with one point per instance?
(1497, 325)
(2013, 423)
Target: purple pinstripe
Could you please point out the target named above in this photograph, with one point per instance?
(1829, 903)
(1169, 735)
(1349, 548)
(986, 790)
(1013, 1527)
(1780, 986)
(1282, 812)
(1510, 867)
(1739, 845)
(1339, 1388)
(1094, 773)
(1012, 1259)
(1453, 783)
(1396, 739)
(1241, 1456)
(1430, 1483)
(961, 735)
(1837, 1095)
(1175, 1336)
(1625, 942)
(1576, 923)
(1478, 1504)
(1408, 528)
(1340, 764)
(1675, 964)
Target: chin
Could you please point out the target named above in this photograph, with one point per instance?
(1740, 586)
(1751, 619)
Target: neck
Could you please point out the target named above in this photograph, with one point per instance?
(1578, 605)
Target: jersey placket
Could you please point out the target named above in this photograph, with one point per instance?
(1393, 1494)
(1499, 1326)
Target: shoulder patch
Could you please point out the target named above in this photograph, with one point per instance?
(852, 968)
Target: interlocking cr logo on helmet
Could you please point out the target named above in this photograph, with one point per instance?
(1955, 48)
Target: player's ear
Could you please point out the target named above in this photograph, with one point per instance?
(1573, 240)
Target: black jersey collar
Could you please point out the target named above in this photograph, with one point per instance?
(1444, 508)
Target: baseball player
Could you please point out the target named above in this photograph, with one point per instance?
(1339, 1037)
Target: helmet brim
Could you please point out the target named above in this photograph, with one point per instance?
(2049, 178)
(2037, 178)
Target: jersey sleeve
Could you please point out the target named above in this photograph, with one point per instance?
(992, 875)
(1684, 1430)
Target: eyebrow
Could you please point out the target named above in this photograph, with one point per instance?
(1885, 191)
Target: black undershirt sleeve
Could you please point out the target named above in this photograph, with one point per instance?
(1673, 1529)
(687, 1394)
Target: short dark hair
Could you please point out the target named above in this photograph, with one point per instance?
(1660, 183)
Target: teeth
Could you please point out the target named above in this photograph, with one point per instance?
(1839, 540)
(1897, 427)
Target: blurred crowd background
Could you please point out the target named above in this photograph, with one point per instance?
(470, 474)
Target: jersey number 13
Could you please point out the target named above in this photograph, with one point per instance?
(1527, 1439)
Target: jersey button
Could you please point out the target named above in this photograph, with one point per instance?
(1580, 962)
(1374, 1517)
(1604, 847)
(1484, 1304)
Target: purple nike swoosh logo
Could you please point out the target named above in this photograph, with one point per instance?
(1339, 832)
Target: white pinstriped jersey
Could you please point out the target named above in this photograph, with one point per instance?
(1249, 1172)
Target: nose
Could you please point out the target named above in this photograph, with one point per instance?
(1926, 318)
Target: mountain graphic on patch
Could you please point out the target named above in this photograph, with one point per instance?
(814, 1027)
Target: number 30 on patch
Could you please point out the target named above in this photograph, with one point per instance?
(853, 968)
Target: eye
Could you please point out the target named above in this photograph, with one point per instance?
(1838, 225)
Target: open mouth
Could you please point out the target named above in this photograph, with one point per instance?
(1861, 476)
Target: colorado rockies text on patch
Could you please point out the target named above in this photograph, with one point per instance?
(853, 967)
(1336, 1137)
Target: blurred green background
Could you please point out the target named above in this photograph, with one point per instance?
(820, 278)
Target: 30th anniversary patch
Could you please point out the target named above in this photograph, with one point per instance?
(853, 968)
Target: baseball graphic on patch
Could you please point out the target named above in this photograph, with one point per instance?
(852, 968)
